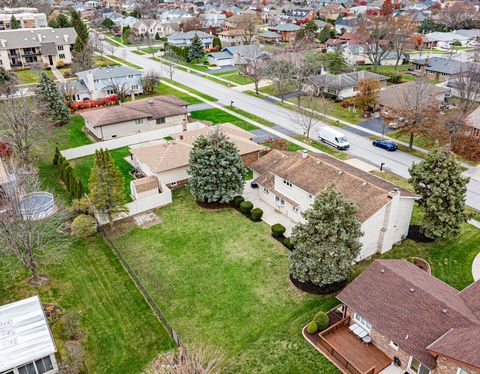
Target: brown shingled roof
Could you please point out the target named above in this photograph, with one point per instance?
(409, 306)
(146, 184)
(316, 172)
(153, 107)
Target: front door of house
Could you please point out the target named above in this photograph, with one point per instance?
(50, 60)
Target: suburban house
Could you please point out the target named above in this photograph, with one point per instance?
(23, 48)
(441, 69)
(232, 37)
(169, 161)
(147, 27)
(136, 116)
(398, 96)
(101, 82)
(270, 37)
(27, 344)
(29, 18)
(473, 120)
(341, 85)
(397, 315)
(288, 31)
(290, 181)
(354, 54)
(238, 55)
(299, 16)
(184, 39)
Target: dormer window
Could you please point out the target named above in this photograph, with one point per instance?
(287, 183)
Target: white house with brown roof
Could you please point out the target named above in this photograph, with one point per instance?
(136, 116)
(290, 181)
(473, 121)
(414, 319)
(169, 161)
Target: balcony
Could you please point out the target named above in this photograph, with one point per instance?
(347, 351)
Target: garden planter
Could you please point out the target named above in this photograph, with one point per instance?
(316, 290)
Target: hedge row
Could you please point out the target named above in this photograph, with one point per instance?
(73, 184)
(246, 207)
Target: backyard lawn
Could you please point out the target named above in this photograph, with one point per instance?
(122, 61)
(121, 334)
(217, 116)
(235, 77)
(30, 76)
(226, 286)
(101, 61)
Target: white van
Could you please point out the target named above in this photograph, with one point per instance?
(333, 137)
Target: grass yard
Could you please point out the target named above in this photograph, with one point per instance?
(226, 286)
(101, 61)
(250, 116)
(343, 113)
(234, 76)
(122, 335)
(202, 95)
(322, 147)
(123, 62)
(217, 116)
(30, 76)
(292, 147)
(150, 50)
(83, 167)
(138, 53)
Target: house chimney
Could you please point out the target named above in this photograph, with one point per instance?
(304, 153)
(3, 42)
(90, 81)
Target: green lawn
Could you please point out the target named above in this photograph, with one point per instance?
(202, 95)
(30, 76)
(150, 50)
(344, 114)
(122, 61)
(217, 116)
(226, 286)
(83, 166)
(101, 61)
(138, 53)
(322, 147)
(235, 77)
(292, 147)
(122, 335)
(253, 117)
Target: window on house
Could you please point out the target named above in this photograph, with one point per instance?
(173, 184)
(287, 183)
(296, 209)
(310, 196)
(265, 191)
(96, 80)
(417, 367)
(134, 86)
(461, 371)
(279, 201)
(138, 121)
(362, 322)
(40, 366)
(476, 133)
(110, 92)
(130, 76)
(60, 47)
(393, 345)
(160, 121)
(62, 56)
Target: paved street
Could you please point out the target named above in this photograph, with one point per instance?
(397, 162)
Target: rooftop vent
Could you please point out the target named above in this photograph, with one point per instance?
(382, 271)
(412, 289)
(364, 183)
(445, 311)
(340, 172)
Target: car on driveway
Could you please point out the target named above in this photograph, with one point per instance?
(385, 144)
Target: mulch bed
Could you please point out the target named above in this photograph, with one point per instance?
(204, 204)
(415, 233)
(422, 264)
(314, 289)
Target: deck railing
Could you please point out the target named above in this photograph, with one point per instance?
(323, 342)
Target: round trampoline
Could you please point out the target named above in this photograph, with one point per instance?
(37, 205)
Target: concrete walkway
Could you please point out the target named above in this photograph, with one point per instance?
(476, 261)
(58, 75)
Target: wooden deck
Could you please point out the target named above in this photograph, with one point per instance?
(348, 353)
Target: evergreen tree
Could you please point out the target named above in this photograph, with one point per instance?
(107, 23)
(7, 82)
(324, 35)
(157, 36)
(14, 23)
(81, 29)
(443, 190)
(217, 43)
(51, 97)
(107, 186)
(427, 26)
(196, 50)
(56, 156)
(60, 22)
(79, 189)
(216, 169)
(310, 29)
(327, 244)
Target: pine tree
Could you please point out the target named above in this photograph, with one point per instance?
(443, 190)
(107, 186)
(79, 190)
(196, 50)
(14, 23)
(51, 97)
(157, 36)
(327, 244)
(324, 35)
(216, 169)
(56, 156)
(81, 29)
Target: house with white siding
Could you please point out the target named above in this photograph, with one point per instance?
(289, 182)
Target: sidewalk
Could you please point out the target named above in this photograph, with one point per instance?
(58, 75)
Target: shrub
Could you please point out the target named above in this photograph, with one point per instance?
(457, 43)
(256, 214)
(84, 226)
(345, 104)
(322, 320)
(278, 230)
(237, 200)
(395, 78)
(81, 206)
(246, 207)
(312, 327)
(60, 64)
(71, 323)
(287, 242)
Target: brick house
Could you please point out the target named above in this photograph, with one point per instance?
(420, 323)
(169, 161)
(288, 31)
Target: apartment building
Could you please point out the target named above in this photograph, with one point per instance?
(29, 18)
(24, 48)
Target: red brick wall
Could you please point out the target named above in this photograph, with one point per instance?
(179, 184)
(446, 366)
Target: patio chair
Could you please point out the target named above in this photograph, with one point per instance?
(353, 327)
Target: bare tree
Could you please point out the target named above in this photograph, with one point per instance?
(21, 124)
(110, 48)
(457, 16)
(21, 233)
(171, 59)
(192, 24)
(122, 90)
(375, 33)
(68, 92)
(83, 60)
(305, 115)
(403, 29)
(247, 25)
(183, 361)
(149, 81)
(467, 84)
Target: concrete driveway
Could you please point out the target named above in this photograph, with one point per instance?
(270, 215)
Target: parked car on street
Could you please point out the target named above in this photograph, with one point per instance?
(385, 144)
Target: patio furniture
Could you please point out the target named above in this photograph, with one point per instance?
(353, 326)
(361, 334)
(367, 339)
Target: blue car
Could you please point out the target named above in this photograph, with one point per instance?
(385, 144)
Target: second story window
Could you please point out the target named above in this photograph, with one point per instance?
(138, 121)
(60, 47)
(287, 183)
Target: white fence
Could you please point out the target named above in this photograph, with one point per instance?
(124, 141)
(142, 205)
